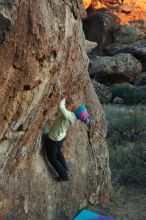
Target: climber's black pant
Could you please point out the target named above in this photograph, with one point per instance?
(55, 156)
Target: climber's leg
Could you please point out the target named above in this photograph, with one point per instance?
(51, 152)
(61, 158)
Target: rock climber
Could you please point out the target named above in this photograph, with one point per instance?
(57, 135)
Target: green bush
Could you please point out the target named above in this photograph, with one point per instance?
(116, 195)
(124, 91)
(141, 79)
(129, 93)
(126, 138)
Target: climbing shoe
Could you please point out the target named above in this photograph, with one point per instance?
(63, 179)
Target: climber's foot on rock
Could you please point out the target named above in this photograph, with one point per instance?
(63, 179)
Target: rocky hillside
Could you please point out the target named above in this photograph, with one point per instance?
(118, 71)
(117, 64)
(42, 60)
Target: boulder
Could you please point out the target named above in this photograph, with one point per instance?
(140, 24)
(118, 100)
(137, 49)
(43, 60)
(5, 24)
(125, 34)
(89, 46)
(8, 15)
(118, 68)
(103, 92)
(98, 28)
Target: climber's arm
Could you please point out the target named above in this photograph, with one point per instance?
(67, 114)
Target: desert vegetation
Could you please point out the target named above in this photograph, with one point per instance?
(126, 139)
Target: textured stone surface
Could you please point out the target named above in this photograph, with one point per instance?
(89, 46)
(118, 68)
(141, 24)
(42, 60)
(118, 100)
(104, 92)
(98, 27)
(8, 15)
(127, 34)
(137, 49)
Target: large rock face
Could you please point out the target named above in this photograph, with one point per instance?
(43, 59)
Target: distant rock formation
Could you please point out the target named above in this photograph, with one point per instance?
(104, 92)
(118, 68)
(98, 27)
(137, 49)
(124, 34)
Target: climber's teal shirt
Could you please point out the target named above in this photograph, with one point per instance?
(62, 123)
